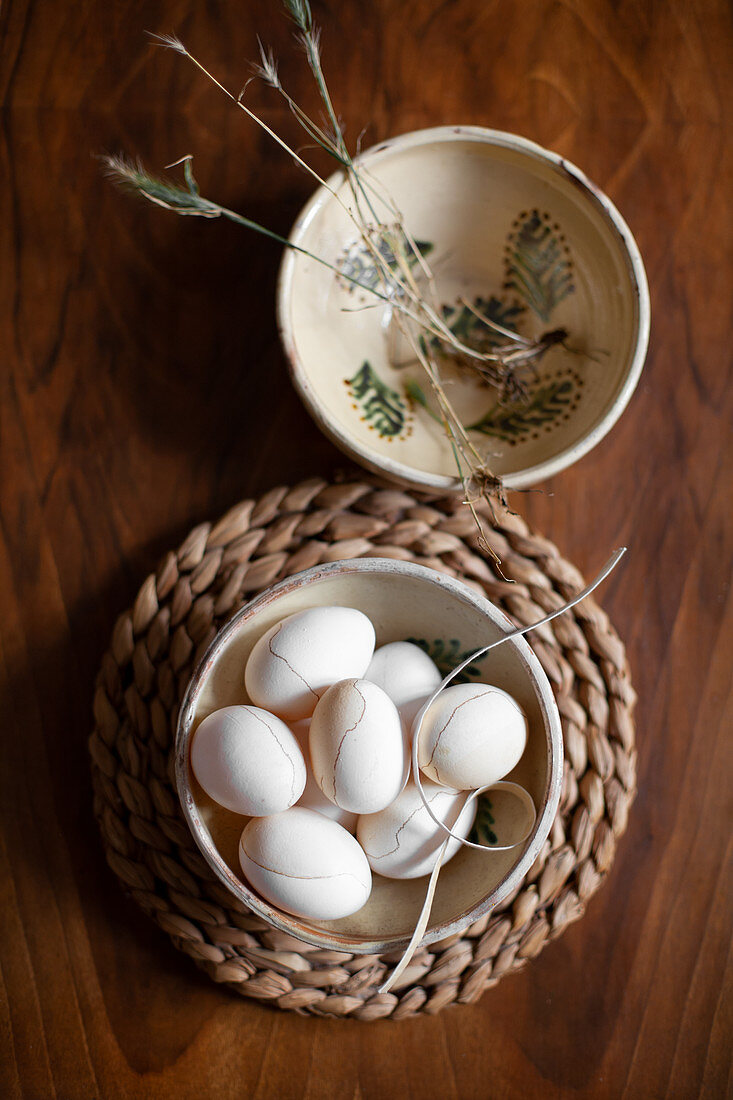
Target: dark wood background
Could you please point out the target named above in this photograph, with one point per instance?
(143, 390)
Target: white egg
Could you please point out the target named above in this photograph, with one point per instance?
(305, 864)
(404, 671)
(358, 749)
(471, 736)
(248, 761)
(313, 797)
(294, 662)
(403, 841)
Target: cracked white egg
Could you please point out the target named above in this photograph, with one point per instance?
(403, 841)
(305, 864)
(313, 797)
(471, 735)
(358, 750)
(297, 659)
(404, 671)
(248, 761)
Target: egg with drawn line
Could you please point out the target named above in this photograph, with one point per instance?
(248, 761)
(297, 659)
(472, 735)
(305, 864)
(402, 841)
(359, 751)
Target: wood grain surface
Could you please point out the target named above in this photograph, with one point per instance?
(143, 389)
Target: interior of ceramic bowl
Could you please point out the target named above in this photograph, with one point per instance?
(403, 601)
(510, 229)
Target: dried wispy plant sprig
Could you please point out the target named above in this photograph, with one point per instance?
(405, 280)
(132, 176)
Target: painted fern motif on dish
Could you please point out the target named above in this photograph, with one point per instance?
(538, 265)
(467, 327)
(358, 266)
(544, 407)
(538, 276)
(383, 409)
(482, 831)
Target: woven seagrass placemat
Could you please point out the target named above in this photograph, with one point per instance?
(156, 645)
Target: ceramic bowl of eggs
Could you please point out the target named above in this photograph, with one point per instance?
(294, 763)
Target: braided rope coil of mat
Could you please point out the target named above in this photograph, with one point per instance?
(156, 645)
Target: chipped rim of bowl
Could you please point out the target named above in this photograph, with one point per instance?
(545, 812)
(401, 471)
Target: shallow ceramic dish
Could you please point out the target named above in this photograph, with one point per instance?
(502, 221)
(403, 600)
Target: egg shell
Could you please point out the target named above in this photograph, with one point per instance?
(403, 841)
(313, 797)
(358, 749)
(404, 671)
(248, 761)
(305, 864)
(297, 659)
(471, 736)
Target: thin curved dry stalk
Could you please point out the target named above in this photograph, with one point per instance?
(391, 248)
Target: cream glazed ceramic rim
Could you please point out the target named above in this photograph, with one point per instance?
(444, 588)
(592, 201)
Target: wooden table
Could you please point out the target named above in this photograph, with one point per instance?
(144, 390)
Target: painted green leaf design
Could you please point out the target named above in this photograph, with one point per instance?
(543, 407)
(538, 265)
(482, 831)
(448, 654)
(470, 329)
(382, 407)
(358, 264)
